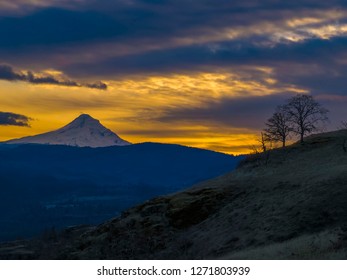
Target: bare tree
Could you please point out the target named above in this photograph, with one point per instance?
(343, 125)
(278, 126)
(305, 115)
(262, 140)
(344, 144)
(262, 151)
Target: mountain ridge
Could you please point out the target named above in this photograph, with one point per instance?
(59, 185)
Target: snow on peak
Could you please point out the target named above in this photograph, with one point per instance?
(84, 131)
(84, 120)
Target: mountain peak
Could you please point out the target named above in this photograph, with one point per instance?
(84, 131)
(84, 117)
(84, 120)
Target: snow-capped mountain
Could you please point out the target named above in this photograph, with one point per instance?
(84, 131)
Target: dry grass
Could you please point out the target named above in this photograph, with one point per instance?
(324, 245)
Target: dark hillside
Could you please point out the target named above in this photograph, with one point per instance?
(46, 186)
(289, 204)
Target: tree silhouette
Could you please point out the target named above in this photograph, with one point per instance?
(343, 125)
(305, 114)
(278, 126)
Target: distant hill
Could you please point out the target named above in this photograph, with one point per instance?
(46, 186)
(286, 204)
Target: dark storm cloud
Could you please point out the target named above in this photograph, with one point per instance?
(7, 118)
(9, 74)
(250, 112)
(300, 63)
(189, 58)
(50, 30)
(317, 65)
(56, 26)
(97, 85)
(91, 21)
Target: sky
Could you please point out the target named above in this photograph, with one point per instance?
(202, 73)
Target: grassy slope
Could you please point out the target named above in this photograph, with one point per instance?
(289, 204)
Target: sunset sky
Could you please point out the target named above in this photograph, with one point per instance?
(202, 73)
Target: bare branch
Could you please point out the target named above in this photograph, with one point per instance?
(278, 127)
(305, 115)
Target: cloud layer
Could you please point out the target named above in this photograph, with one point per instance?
(108, 39)
(9, 74)
(7, 118)
(196, 65)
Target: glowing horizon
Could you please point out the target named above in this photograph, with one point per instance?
(195, 74)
